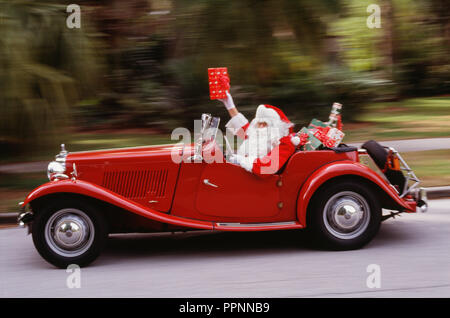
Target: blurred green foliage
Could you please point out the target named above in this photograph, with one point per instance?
(44, 70)
(142, 63)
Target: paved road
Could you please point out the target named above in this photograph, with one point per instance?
(413, 253)
(415, 144)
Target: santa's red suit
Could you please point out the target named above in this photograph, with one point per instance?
(264, 150)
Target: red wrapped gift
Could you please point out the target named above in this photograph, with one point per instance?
(219, 82)
(303, 139)
(321, 132)
(330, 137)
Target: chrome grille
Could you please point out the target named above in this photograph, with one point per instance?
(136, 184)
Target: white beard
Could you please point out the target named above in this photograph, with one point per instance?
(259, 142)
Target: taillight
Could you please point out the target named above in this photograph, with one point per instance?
(392, 163)
(395, 163)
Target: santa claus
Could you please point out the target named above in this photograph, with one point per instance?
(268, 139)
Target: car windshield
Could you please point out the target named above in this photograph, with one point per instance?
(210, 129)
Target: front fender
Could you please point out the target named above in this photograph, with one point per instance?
(92, 190)
(342, 168)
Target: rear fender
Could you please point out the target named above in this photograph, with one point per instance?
(100, 193)
(344, 168)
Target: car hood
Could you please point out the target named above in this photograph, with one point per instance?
(126, 153)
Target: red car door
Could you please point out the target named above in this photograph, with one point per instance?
(227, 190)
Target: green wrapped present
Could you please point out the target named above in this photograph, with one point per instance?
(313, 143)
(316, 123)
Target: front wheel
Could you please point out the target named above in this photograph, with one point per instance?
(345, 215)
(69, 232)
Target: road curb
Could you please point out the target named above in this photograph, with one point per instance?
(8, 218)
(432, 193)
(438, 192)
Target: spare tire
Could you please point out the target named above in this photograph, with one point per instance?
(379, 155)
(377, 152)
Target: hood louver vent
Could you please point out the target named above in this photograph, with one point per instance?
(136, 184)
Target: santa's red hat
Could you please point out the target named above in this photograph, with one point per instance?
(264, 112)
(272, 112)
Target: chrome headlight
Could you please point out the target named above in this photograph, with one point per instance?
(55, 169)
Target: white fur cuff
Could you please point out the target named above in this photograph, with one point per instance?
(247, 163)
(236, 122)
(295, 141)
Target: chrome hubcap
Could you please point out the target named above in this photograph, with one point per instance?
(69, 232)
(346, 215)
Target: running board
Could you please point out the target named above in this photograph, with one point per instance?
(257, 226)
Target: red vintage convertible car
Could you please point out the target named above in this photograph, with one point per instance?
(336, 194)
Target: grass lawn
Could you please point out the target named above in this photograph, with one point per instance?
(408, 119)
(431, 167)
(92, 141)
(15, 186)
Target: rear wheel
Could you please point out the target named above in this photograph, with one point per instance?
(344, 215)
(69, 232)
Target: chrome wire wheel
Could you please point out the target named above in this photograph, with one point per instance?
(69, 232)
(346, 215)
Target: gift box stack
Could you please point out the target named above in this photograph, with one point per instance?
(219, 82)
(319, 135)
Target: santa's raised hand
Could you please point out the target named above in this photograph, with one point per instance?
(228, 102)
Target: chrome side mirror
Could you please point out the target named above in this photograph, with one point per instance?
(206, 121)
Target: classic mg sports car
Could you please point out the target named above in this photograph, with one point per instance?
(336, 194)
